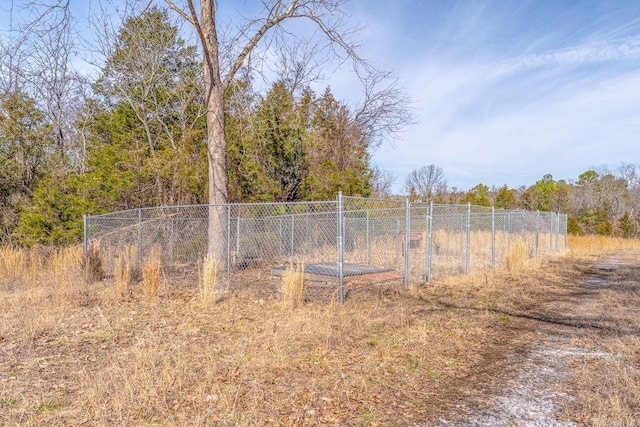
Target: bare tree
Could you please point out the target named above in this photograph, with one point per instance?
(227, 50)
(298, 64)
(381, 182)
(424, 182)
(11, 55)
(385, 110)
(631, 174)
(37, 59)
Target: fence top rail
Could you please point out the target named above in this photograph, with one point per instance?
(286, 215)
(206, 206)
(373, 199)
(129, 213)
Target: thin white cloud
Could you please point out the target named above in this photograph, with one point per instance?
(589, 53)
(570, 130)
(512, 111)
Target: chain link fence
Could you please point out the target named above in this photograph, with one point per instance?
(335, 240)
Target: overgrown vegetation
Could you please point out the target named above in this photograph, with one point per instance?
(77, 353)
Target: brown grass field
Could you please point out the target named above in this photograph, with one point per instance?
(126, 352)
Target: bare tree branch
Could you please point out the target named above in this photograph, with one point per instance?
(381, 182)
(424, 181)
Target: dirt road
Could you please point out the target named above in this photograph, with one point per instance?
(581, 366)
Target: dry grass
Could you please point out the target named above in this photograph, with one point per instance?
(517, 257)
(13, 263)
(124, 272)
(293, 285)
(38, 287)
(384, 358)
(151, 274)
(607, 378)
(92, 264)
(607, 382)
(593, 245)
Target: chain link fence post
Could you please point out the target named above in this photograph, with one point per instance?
(139, 237)
(551, 226)
(228, 251)
(493, 237)
(557, 231)
(537, 233)
(172, 242)
(292, 251)
(468, 246)
(280, 245)
(407, 239)
(429, 242)
(368, 256)
(340, 243)
(238, 238)
(566, 232)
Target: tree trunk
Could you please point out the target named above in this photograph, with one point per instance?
(217, 178)
(217, 149)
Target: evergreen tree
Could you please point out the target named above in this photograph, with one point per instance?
(25, 152)
(338, 150)
(145, 135)
(478, 195)
(546, 195)
(279, 136)
(627, 227)
(505, 198)
(150, 110)
(291, 148)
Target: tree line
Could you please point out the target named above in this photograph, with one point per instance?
(600, 201)
(137, 133)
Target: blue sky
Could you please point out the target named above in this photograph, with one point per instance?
(504, 92)
(508, 91)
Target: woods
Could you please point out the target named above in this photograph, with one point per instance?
(161, 120)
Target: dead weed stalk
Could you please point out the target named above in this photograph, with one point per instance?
(293, 285)
(124, 273)
(151, 273)
(517, 257)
